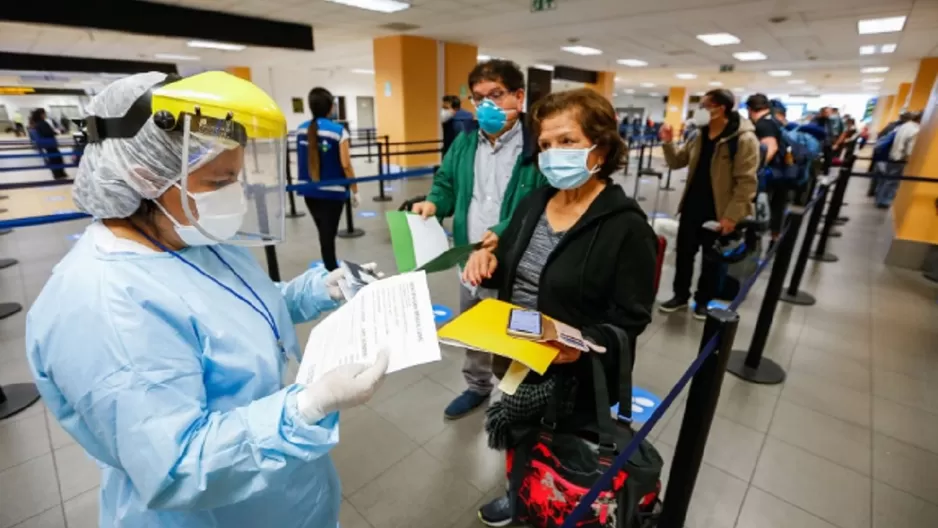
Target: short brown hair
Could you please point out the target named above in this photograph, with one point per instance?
(596, 116)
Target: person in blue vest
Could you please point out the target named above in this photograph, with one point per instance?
(329, 161)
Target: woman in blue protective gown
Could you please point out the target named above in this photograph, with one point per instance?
(160, 344)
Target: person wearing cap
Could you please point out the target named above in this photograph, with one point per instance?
(159, 344)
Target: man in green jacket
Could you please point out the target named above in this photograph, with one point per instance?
(483, 177)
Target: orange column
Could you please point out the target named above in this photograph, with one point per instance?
(924, 80)
(408, 106)
(899, 102)
(605, 84)
(240, 71)
(675, 110)
(458, 61)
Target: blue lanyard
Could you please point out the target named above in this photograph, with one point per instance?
(266, 315)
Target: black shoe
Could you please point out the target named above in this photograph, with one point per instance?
(497, 512)
(672, 305)
(700, 312)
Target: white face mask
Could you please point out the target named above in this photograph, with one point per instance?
(446, 114)
(702, 117)
(221, 213)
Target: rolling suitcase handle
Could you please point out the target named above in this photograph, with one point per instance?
(657, 174)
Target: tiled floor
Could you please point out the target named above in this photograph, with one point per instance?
(849, 441)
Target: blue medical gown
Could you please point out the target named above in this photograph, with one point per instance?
(174, 386)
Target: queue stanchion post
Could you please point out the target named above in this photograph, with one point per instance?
(17, 397)
(667, 183)
(651, 150)
(381, 196)
(793, 295)
(641, 158)
(368, 140)
(291, 199)
(350, 230)
(833, 210)
(702, 399)
(749, 364)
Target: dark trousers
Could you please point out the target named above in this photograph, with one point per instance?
(57, 173)
(828, 159)
(326, 214)
(690, 238)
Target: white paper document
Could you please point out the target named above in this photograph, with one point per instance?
(429, 238)
(395, 312)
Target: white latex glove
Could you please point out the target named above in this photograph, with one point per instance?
(356, 200)
(344, 387)
(336, 275)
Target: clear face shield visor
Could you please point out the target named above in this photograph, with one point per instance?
(233, 187)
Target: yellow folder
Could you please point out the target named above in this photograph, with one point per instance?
(484, 327)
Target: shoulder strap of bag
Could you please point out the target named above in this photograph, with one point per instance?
(607, 432)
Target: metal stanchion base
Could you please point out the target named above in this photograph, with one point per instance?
(4, 197)
(801, 298)
(298, 214)
(768, 372)
(841, 221)
(5, 231)
(355, 233)
(382, 198)
(19, 396)
(7, 262)
(640, 199)
(3, 211)
(8, 309)
(667, 189)
(826, 257)
(835, 234)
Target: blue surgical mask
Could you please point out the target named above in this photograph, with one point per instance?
(491, 117)
(566, 168)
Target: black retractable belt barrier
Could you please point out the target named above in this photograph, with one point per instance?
(833, 210)
(641, 157)
(381, 155)
(292, 213)
(702, 398)
(750, 365)
(793, 295)
(350, 230)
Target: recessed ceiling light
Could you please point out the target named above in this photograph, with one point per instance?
(582, 50)
(887, 48)
(209, 44)
(867, 50)
(780, 73)
(647, 85)
(719, 39)
(175, 57)
(873, 80)
(547, 67)
(875, 69)
(737, 89)
(630, 91)
(632, 63)
(715, 83)
(747, 56)
(880, 25)
(796, 81)
(362, 71)
(381, 6)
(686, 76)
(654, 94)
(483, 58)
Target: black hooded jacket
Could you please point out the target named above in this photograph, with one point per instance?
(599, 278)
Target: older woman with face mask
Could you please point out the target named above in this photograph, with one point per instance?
(580, 252)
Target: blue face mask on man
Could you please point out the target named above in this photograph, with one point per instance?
(566, 168)
(492, 118)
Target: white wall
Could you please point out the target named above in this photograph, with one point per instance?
(283, 84)
(26, 103)
(654, 107)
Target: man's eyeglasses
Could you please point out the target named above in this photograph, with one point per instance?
(497, 96)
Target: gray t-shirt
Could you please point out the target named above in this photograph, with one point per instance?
(528, 276)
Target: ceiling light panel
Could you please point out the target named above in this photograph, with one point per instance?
(209, 44)
(686, 76)
(175, 57)
(873, 80)
(632, 63)
(875, 69)
(780, 73)
(867, 50)
(381, 6)
(647, 85)
(796, 81)
(880, 25)
(719, 39)
(887, 48)
(715, 83)
(582, 50)
(546, 67)
(749, 56)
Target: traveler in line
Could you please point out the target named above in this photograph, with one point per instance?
(480, 183)
(901, 150)
(47, 144)
(323, 155)
(454, 120)
(721, 162)
(579, 251)
(769, 132)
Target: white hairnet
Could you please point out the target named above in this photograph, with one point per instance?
(115, 175)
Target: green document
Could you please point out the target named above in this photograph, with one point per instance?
(421, 244)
